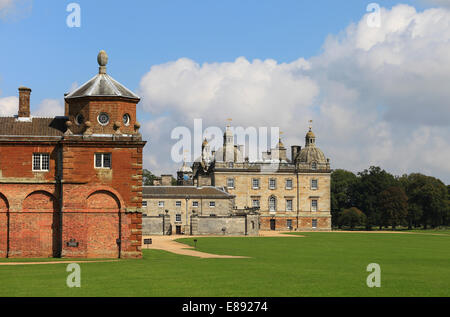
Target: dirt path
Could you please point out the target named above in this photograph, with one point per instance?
(168, 243)
(52, 262)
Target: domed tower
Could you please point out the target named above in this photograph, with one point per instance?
(185, 175)
(102, 106)
(311, 157)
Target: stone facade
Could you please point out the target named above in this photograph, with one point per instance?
(180, 203)
(290, 194)
(72, 186)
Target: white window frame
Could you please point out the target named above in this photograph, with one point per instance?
(292, 183)
(178, 203)
(103, 155)
(312, 223)
(178, 216)
(257, 180)
(144, 203)
(314, 208)
(287, 204)
(195, 204)
(40, 157)
(161, 204)
(257, 205)
(312, 184)
(212, 204)
(274, 203)
(274, 180)
(228, 183)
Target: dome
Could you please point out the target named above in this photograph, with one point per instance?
(280, 144)
(310, 135)
(185, 168)
(312, 154)
(102, 85)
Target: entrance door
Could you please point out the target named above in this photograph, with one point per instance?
(178, 229)
(272, 224)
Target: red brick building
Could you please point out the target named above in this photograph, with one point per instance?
(72, 186)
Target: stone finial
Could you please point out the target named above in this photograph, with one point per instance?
(117, 126)
(102, 60)
(69, 125)
(88, 126)
(137, 126)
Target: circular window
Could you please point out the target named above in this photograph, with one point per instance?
(103, 118)
(79, 119)
(126, 119)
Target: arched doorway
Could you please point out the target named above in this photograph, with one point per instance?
(4, 226)
(36, 231)
(103, 222)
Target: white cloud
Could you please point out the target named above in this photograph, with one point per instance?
(8, 106)
(15, 9)
(49, 108)
(377, 95)
(5, 4)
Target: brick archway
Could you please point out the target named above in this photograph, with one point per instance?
(103, 224)
(4, 226)
(35, 232)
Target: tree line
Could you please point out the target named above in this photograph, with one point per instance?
(376, 198)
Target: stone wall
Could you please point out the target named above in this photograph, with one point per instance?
(223, 207)
(153, 225)
(226, 225)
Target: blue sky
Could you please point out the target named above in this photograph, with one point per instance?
(41, 52)
(378, 96)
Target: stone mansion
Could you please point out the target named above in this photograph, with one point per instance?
(293, 196)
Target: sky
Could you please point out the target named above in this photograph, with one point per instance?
(377, 95)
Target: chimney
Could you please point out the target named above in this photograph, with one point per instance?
(166, 180)
(24, 102)
(295, 149)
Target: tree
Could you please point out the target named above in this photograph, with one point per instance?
(341, 181)
(393, 203)
(364, 193)
(147, 178)
(430, 196)
(352, 217)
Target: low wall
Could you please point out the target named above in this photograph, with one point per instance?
(226, 225)
(156, 225)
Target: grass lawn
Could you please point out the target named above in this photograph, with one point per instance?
(320, 264)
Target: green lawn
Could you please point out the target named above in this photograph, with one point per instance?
(321, 264)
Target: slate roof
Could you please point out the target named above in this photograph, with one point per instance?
(184, 191)
(102, 85)
(48, 127)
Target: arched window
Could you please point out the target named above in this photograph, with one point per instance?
(272, 203)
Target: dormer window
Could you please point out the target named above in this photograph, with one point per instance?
(314, 166)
